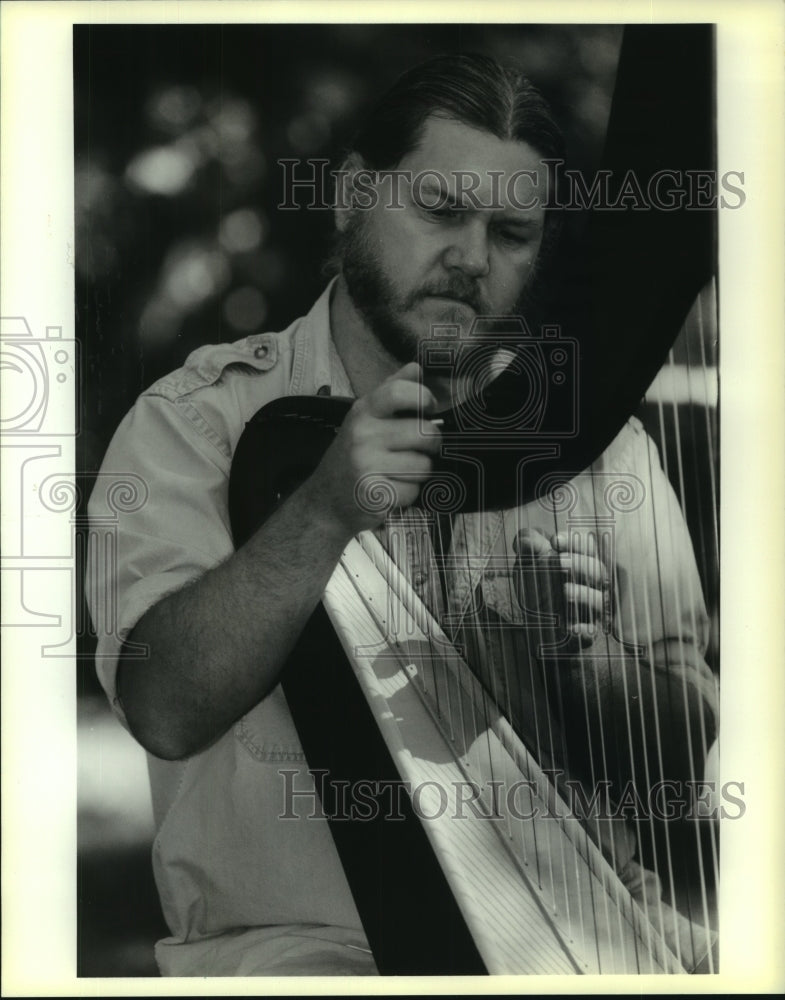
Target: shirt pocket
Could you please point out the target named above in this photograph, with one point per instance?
(268, 732)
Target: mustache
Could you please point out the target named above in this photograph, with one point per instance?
(459, 287)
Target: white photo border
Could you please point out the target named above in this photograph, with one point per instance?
(39, 694)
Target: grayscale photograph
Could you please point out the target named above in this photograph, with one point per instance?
(402, 545)
(387, 452)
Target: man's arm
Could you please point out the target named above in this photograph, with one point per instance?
(216, 647)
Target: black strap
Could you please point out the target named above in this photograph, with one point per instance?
(410, 917)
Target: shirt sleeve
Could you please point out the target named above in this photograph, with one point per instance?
(177, 529)
(660, 603)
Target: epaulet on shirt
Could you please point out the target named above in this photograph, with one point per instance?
(209, 364)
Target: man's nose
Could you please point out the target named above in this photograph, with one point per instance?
(468, 249)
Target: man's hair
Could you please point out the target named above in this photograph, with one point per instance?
(470, 88)
(480, 92)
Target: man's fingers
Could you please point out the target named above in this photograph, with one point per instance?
(411, 372)
(406, 466)
(403, 434)
(584, 543)
(402, 392)
(584, 569)
(531, 541)
(586, 603)
(411, 434)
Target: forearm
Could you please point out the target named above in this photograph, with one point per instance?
(217, 646)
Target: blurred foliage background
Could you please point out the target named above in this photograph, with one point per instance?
(178, 135)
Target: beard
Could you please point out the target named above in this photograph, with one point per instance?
(383, 306)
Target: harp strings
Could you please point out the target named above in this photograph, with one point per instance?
(561, 757)
(683, 601)
(492, 696)
(700, 325)
(586, 689)
(710, 550)
(504, 690)
(611, 903)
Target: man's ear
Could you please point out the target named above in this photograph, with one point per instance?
(348, 196)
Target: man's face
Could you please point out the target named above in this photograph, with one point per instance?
(446, 256)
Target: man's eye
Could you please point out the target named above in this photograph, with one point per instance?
(442, 211)
(513, 236)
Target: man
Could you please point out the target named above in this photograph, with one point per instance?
(242, 892)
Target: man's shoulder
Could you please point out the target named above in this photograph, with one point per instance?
(221, 386)
(633, 451)
(219, 364)
(630, 439)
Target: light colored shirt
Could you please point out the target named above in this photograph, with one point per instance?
(243, 891)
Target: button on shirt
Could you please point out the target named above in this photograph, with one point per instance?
(243, 891)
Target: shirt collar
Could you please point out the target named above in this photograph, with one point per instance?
(311, 370)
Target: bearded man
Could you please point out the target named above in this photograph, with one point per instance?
(243, 892)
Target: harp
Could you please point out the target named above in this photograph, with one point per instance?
(483, 865)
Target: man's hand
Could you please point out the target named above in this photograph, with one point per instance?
(566, 586)
(381, 456)
(217, 646)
